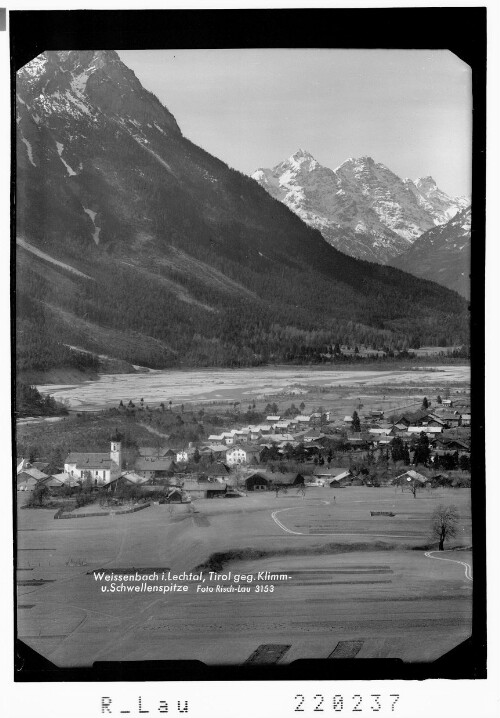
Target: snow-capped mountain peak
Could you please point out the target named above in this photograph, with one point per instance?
(426, 184)
(361, 207)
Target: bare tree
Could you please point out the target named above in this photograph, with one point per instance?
(444, 523)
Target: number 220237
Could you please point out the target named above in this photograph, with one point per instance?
(344, 703)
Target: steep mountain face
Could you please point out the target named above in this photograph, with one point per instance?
(361, 208)
(134, 243)
(442, 254)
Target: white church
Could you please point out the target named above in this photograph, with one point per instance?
(99, 468)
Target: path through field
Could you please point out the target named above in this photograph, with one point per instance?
(467, 566)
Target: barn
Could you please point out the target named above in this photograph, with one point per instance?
(257, 482)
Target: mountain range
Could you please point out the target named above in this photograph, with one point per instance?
(134, 243)
(362, 208)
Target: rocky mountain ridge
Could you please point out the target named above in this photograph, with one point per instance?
(361, 207)
(442, 254)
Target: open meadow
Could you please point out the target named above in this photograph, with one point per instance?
(349, 583)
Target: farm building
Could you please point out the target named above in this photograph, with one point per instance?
(197, 489)
(175, 495)
(153, 451)
(28, 479)
(66, 479)
(257, 482)
(333, 476)
(52, 482)
(267, 480)
(410, 476)
(153, 468)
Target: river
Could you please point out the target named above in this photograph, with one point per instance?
(206, 385)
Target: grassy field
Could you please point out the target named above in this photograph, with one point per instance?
(353, 577)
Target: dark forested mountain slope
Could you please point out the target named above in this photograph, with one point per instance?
(442, 254)
(135, 243)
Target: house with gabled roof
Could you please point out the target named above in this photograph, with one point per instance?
(152, 451)
(242, 454)
(409, 476)
(154, 468)
(53, 482)
(333, 476)
(215, 438)
(424, 429)
(28, 479)
(216, 449)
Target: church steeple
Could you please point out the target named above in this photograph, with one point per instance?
(115, 453)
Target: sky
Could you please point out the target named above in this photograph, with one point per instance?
(411, 110)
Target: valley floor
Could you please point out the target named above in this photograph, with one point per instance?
(244, 384)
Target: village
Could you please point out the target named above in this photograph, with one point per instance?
(291, 450)
(348, 499)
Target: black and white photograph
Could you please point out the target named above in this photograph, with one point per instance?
(247, 306)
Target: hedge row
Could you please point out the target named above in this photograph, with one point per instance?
(59, 514)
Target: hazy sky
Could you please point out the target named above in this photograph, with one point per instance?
(409, 109)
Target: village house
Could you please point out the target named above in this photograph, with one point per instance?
(257, 431)
(184, 454)
(408, 476)
(217, 450)
(53, 482)
(153, 468)
(153, 451)
(302, 420)
(66, 479)
(28, 479)
(447, 444)
(242, 455)
(267, 480)
(196, 489)
(269, 439)
(359, 440)
(282, 426)
(450, 418)
(429, 430)
(127, 479)
(379, 431)
(333, 476)
(215, 438)
(398, 429)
